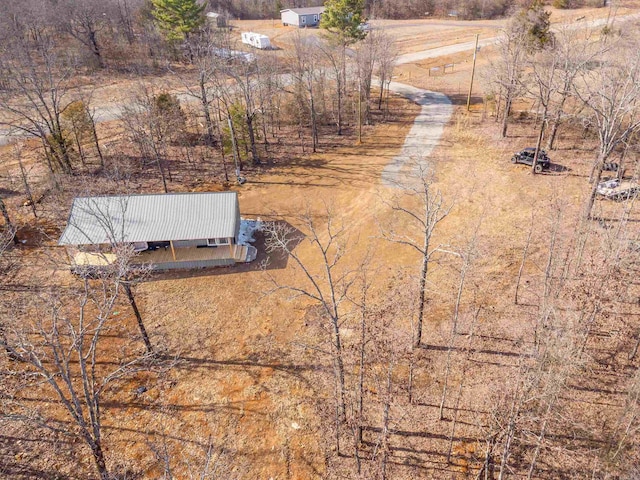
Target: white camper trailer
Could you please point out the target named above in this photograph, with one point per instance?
(256, 40)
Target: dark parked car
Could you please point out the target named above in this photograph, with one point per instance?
(526, 156)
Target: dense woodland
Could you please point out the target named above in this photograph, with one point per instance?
(396, 9)
(537, 373)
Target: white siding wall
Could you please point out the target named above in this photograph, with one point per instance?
(289, 17)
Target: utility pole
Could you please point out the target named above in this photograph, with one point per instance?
(473, 71)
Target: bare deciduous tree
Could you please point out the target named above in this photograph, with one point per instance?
(9, 226)
(467, 258)
(573, 53)
(84, 20)
(336, 57)
(62, 346)
(387, 57)
(507, 72)
(425, 217)
(328, 287)
(37, 84)
(611, 93)
(305, 72)
(153, 120)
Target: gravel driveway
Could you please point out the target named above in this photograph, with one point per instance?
(425, 133)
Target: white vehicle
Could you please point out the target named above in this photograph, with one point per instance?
(615, 189)
(256, 40)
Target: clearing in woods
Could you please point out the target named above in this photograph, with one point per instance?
(244, 375)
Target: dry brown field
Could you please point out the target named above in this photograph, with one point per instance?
(248, 374)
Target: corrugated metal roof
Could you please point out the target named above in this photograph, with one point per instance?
(305, 11)
(151, 218)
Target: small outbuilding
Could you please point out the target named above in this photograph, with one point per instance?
(177, 230)
(302, 17)
(217, 19)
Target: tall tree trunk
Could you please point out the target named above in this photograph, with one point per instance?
(339, 368)
(524, 258)
(539, 140)
(314, 121)
(25, 184)
(597, 175)
(234, 145)
(58, 149)
(505, 115)
(421, 298)
(454, 328)
(510, 432)
(7, 220)
(224, 159)
(125, 19)
(343, 81)
(98, 457)
(551, 141)
(339, 92)
(539, 441)
(384, 441)
(205, 110)
(161, 170)
(95, 48)
(252, 140)
(363, 333)
(94, 134)
(79, 146)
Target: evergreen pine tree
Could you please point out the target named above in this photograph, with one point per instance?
(534, 22)
(178, 18)
(344, 17)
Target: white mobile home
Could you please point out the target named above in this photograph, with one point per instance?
(302, 17)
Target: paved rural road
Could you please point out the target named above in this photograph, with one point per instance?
(102, 113)
(443, 51)
(425, 133)
(462, 24)
(466, 46)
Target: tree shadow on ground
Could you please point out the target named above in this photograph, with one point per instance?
(281, 365)
(461, 99)
(6, 192)
(444, 348)
(418, 434)
(12, 468)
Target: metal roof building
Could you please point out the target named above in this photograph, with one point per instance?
(305, 10)
(302, 17)
(152, 218)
